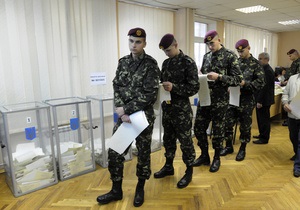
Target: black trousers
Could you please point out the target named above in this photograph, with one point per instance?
(264, 122)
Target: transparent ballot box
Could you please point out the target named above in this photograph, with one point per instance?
(104, 119)
(27, 147)
(74, 146)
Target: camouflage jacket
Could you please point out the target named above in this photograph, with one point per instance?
(253, 75)
(295, 67)
(223, 62)
(182, 71)
(136, 84)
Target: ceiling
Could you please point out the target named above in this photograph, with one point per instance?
(279, 10)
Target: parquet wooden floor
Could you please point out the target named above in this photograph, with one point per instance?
(264, 180)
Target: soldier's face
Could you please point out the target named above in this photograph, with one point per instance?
(293, 56)
(136, 45)
(214, 45)
(171, 51)
(244, 53)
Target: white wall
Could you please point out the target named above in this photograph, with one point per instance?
(156, 23)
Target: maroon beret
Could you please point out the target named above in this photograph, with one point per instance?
(166, 41)
(242, 44)
(210, 35)
(137, 32)
(291, 51)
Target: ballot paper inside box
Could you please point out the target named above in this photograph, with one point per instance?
(103, 122)
(73, 136)
(28, 150)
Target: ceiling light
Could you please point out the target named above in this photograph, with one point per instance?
(252, 9)
(289, 22)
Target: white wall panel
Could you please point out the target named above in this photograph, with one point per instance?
(156, 22)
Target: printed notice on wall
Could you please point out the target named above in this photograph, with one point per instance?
(98, 78)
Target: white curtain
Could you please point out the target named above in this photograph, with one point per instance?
(156, 22)
(259, 40)
(49, 48)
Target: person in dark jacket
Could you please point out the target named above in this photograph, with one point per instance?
(264, 100)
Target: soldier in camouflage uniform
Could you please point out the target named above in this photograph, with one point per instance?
(180, 78)
(253, 80)
(135, 88)
(295, 66)
(221, 66)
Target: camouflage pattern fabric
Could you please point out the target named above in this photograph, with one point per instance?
(223, 62)
(181, 70)
(135, 88)
(254, 77)
(295, 67)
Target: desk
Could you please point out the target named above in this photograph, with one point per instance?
(276, 108)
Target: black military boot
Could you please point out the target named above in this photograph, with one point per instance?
(242, 152)
(115, 194)
(204, 158)
(139, 193)
(187, 178)
(166, 170)
(228, 149)
(216, 162)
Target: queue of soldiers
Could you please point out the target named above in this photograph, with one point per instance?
(136, 86)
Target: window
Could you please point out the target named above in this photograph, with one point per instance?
(199, 46)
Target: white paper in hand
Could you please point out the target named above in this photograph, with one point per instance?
(127, 132)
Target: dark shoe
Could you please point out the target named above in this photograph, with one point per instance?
(293, 158)
(115, 194)
(139, 197)
(139, 193)
(202, 160)
(215, 165)
(109, 197)
(256, 137)
(296, 173)
(260, 141)
(167, 170)
(240, 155)
(226, 151)
(186, 179)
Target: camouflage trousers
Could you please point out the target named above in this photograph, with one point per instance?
(143, 145)
(243, 115)
(177, 123)
(205, 115)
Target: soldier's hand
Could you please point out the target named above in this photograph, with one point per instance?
(242, 83)
(126, 118)
(212, 76)
(167, 86)
(120, 111)
(258, 105)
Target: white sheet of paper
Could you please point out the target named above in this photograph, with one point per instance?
(127, 132)
(295, 105)
(162, 96)
(204, 94)
(234, 95)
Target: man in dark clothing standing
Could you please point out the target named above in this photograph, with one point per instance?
(264, 100)
(179, 76)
